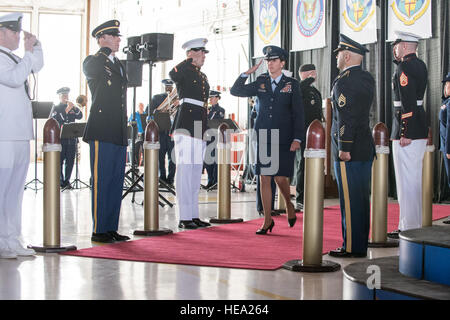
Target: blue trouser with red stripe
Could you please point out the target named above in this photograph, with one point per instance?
(108, 173)
(353, 179)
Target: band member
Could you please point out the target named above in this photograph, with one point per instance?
(215, 112)
(409, 129)
(444, 129)
(353, 146)
(165, 140)
(66, 112)
(106, 132)
(280, 111)
(188, 129)
(16, 129)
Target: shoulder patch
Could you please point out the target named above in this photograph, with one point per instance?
(403, 80)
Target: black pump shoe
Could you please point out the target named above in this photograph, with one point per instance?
(292, 221)
(264, 231)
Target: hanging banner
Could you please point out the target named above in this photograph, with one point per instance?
(410, 16)
(358, 20)
(308, 25)
(267, 22)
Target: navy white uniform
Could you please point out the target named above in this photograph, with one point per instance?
(16, 131)
(189, 125)
(444, 130)
(218, 113)
(409, 85)
(280, 108)
(68, 145)
(352, 95)
(106, 133)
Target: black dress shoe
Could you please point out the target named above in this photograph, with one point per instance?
(200, 223)
(264, 231)
(118, 237)
(299, 206)
(394, 234)
(446, 221)
(341, 253)
(187, 224)
(102, 237)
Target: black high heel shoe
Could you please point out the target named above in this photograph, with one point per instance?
(292, 220)
(264, 231)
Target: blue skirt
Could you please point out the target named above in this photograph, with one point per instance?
(274, 160)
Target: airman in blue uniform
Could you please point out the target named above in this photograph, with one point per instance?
(444, 129)
(165, 140)
(353, 146)
(66, 112)
(279, 126)
(215, 112)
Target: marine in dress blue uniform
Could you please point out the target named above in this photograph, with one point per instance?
(165, 139)
(106, 131)
(353, 146)
(69, 146)
(215, 112)
(188, 128)
(279, 125)
(409, 129)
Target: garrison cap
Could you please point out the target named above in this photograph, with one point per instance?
(110, 27)
(196, 45)
(402, 36)
(274, 52)
(167, 82)
(307, 67)
(447, 78)
(345, 43)
(63, 90)
(214, 93)
(12, 21)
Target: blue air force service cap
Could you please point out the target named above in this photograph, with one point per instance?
(12, 21)
(167, 82)
(110, 27)
(63, 90)
(345, 43)
(274, 52)
(214, 93)
(447, 78)
(403, 36)
(196, 45)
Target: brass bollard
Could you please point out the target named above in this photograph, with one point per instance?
(315, 155)
(52, 225)
(224, 179)
(379, 196)
(427, 183)
(151, 183)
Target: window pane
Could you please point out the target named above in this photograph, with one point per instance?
(60, 35)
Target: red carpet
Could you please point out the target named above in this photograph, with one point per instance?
(235, 245)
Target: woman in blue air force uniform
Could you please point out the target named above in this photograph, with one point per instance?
(281, 109)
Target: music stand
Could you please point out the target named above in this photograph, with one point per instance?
(70, 131)
(215, 124)
(41, 110)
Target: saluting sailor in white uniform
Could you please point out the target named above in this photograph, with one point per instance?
(16, 129)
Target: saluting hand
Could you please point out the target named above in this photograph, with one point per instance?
(29, 41)
(254, 68)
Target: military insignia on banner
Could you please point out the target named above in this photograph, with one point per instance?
(308, 25)
(358, 13)
(403, 80)
(342, 101)
(269, 21)
(287, 88)
(409, 11)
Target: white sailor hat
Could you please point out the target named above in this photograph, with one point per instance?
(12, 21)
(403, 36)
(196, 45)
